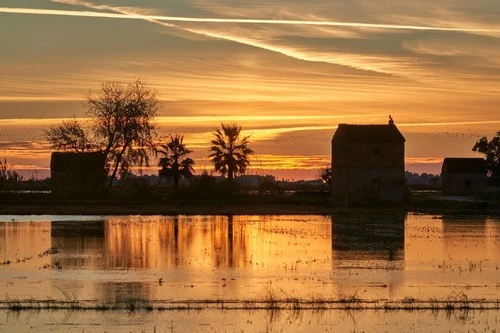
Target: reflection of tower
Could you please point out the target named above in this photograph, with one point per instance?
(372, 244)
(376, 237)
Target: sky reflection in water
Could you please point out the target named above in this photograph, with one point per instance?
(120, 258)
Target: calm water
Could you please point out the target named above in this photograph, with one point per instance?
(379, 259)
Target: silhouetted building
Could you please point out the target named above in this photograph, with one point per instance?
(463, 176)
(77, 175)
(368, 165)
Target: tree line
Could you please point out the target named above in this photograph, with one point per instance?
(122, 127)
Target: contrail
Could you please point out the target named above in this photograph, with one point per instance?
(230, 20)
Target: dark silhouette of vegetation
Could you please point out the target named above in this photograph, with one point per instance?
(8, 177)
(208, 187)
(326, 175)
(123, 122)
(68, 136)
(175, 163)
(491, 151)
(14, 187)
(122, 126)
(424, 181)
(229, 152)
(134, 188)
(269, 186)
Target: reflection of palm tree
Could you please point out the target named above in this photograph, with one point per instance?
(175, 162)
(176, 236)
(229, 152)
(230, 239)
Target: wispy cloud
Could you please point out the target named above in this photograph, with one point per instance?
(386, 64)
(261, 36)
(449, 123)
(400, 64)
(133, 16)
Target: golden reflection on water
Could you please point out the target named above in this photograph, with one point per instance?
(201, 242)
(21, 242)
(378, 256)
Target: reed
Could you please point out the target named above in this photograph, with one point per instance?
(272, 301)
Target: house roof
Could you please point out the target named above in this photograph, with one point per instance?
(64, 161)
(369, 133)
(464, 165)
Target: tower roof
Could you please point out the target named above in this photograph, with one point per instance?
(369, 133)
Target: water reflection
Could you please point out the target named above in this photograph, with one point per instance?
(132, 243)
(376, 237)
(460, 226)
(374, 243)
(81, 243)
(375, 256)
(218, 241)
(22, 242)
(148, 243)
(125, 291)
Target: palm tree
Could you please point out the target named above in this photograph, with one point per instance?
(229, 152)
(175, 163)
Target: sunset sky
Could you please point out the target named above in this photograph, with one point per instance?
(287, 71)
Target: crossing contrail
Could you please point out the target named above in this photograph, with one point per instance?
(35, 11)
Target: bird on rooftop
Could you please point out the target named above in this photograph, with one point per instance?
(391, 121)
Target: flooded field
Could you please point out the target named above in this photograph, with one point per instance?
(347, 273)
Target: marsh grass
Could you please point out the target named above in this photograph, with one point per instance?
(272, 301)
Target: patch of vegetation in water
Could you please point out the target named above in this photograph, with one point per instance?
(273, 301)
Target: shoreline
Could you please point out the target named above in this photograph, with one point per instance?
(224, 208)
(169, 209)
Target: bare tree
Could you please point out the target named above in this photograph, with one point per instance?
(230, 152)
(124, 123)
(68, 136)
(122, 126)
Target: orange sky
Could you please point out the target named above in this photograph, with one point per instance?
(288, 72)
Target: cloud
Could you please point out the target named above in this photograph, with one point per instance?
(136, 16)
(367, 57)
(289, 162)
(398, 66)
(401, 66)
(259, 33)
